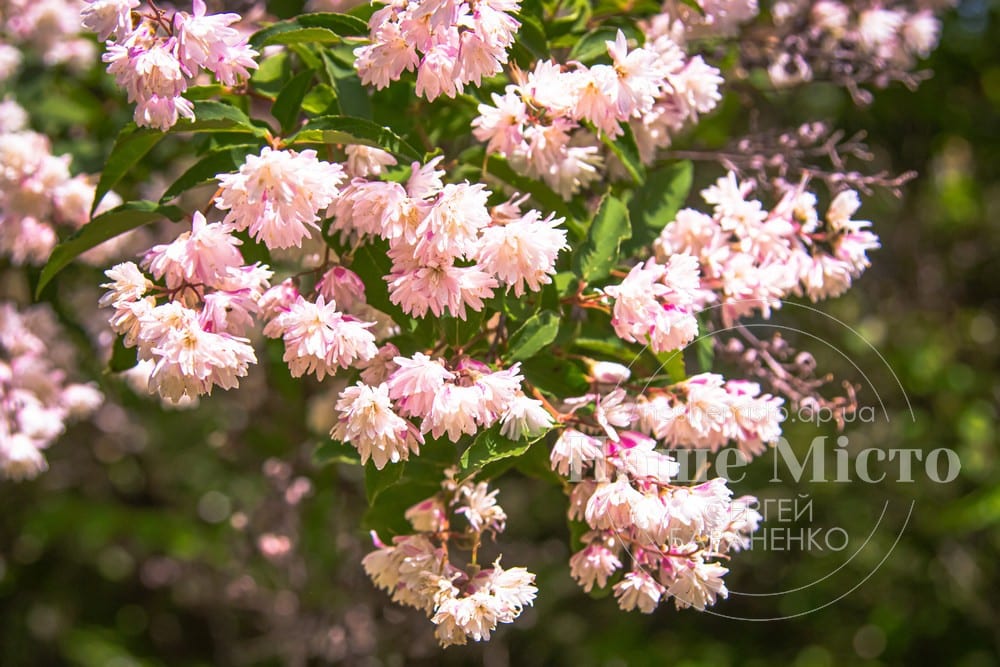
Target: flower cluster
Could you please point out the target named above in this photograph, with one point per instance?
(449, 399)
(36, 400)
(157, 59)
(37, 193)
(435, 230)
(277, 195)
(674, 534)
(196, 339)
(751, 258)
(449, 44)
(682, 21)
(708, 411)
(418, 569)
(654, 304)
(49, 28)
(543, 123)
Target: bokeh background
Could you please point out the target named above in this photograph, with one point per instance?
(155, 537)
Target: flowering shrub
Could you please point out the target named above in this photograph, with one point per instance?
(516, 293)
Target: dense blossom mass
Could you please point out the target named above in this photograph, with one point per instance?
(446, 307)
(156, 69)
(37, 399)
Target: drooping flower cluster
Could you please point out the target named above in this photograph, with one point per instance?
(673, 534)
(49, 28)
(708, 411)
(419, 570)
(751, 258)
(196, 338)
(435, 230)
(36, 397)
(155, 68)
(277, 195)
(654, 304)
(542, 124)
(450, 44)
(449, 399)
(38, 195)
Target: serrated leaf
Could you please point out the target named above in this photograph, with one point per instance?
(491, 446)
(657, 201)
(627, 152)
(289, 101)
(377, 481)
(350, 130)
(334, 451)
(534, 336)
(132, 144)
(599, 253)
(106, 226)
(122, 358)
(208, 168)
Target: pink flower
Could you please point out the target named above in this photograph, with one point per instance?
(368, 422)
(343, 286)
(573, 450)
(593, 565)
(202, 256)
(278, 195)
(417, 289)
(522, 251)
(524, 417)
(415, 383)
(638, 589)
(319, 339)
(108, 17)
(210, 42)
(451, 225)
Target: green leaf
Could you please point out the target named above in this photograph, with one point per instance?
(705, 350)
(122, 358)
(342, 24)
(593, 46)
(673, 364)
(326, 27)
(217, 116)
(321, 100)
(334, 451)
(371, 264)
(105, 226)
(599, 253)
(536, 334)
(377, 481)
(491, 446)
(530, 43)
(556, 376)
(132, 144)
(206, 170)
(289, 101)
(270, 77)
(352, 96)
(349, 130)
(656, 203)
(627, 152)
